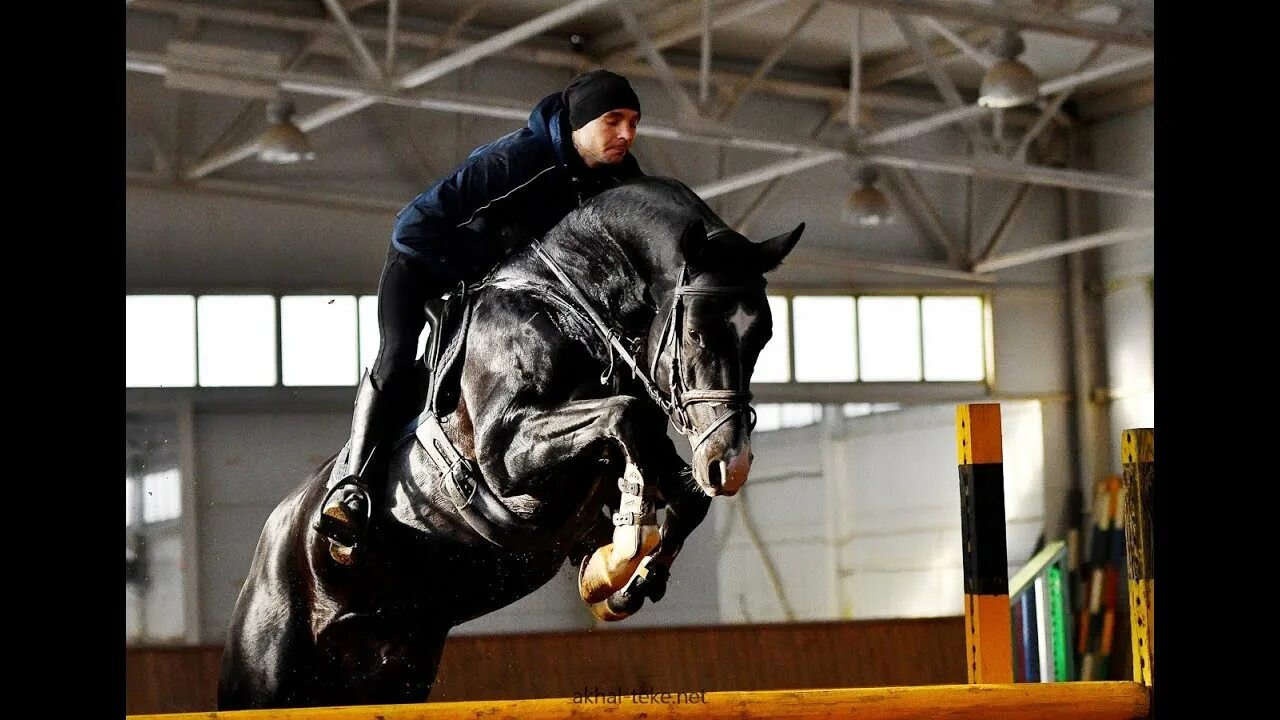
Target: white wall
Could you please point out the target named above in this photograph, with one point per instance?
(154, 611)
(1126, 144)
(245, 464)
(861, 516)
(785, 499)
(1032, 336)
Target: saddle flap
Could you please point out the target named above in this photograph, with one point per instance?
(476, 503)
(447, 346)
(450, 464)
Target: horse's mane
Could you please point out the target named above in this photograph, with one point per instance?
(622, 246)
(646, 214)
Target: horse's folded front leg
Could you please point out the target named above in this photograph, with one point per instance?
(635, 535)
(538, 440)
(686, 508)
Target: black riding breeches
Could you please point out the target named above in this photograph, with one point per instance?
(403, 291)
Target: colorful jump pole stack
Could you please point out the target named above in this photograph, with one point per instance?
(1138, 458)
(989, 646)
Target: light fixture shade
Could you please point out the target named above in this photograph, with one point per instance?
(1007, 84)
(283, 142)
(868, 207)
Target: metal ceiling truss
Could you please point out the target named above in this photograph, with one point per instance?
(701, 120)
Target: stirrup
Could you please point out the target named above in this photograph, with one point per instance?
(337, 530)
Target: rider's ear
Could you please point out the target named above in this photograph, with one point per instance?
(693, 244)
(767, 255)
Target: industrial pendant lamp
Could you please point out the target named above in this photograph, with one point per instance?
(867, 206)
(283, 142)
(1009, 82)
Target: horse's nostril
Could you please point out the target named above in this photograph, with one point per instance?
(716, 473)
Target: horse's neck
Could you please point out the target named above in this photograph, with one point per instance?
(607, 269)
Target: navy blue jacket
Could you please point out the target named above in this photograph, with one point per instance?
(529, 179)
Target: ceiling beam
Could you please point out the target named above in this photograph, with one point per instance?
(814, 153)
(683, 29)
(424, 74)
(907, 63)
(547, 57)
(937, 74)
(263, 191)
(997, 168)
(914, 128)
(685, 105)
(1117, 102)
(911, 198)
(1006, 221)
(739, 93)
(812, 255)
(1066, 247)
(1017, 16)
(368, 66)
(832, 258)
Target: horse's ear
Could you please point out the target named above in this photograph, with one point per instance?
(768, 255)
(693, 244)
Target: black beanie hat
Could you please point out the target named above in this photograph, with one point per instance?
(595, 93)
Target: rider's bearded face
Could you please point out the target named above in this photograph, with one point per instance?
(607, 139)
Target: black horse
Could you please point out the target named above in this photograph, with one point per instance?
(639, 308)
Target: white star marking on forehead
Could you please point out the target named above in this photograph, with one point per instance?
(741, 320)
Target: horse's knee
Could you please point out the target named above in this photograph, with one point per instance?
(626, 423)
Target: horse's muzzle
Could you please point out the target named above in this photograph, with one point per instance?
(727, 478)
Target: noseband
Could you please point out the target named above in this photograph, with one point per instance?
(681, 396)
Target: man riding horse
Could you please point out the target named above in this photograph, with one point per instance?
(575, 145)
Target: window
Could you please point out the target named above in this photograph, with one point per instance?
(774, 364)
(242, 341)
(129, 500)
(159, 534)
(159, 341)
(237, 340)
(825, 344)
(952, 338)
(889, 338)
(863, 409)
(318, 340)
(161, 496)
(773, 416)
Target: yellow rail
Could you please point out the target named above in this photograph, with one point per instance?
(1035, 701)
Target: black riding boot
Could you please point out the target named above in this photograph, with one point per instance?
(345, 514)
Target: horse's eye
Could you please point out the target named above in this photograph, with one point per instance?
(695, 336)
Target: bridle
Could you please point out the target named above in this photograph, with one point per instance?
(735, 400)
(681, 396)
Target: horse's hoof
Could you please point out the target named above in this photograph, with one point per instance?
(593, 577)
(652, 583)
(618, 606)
